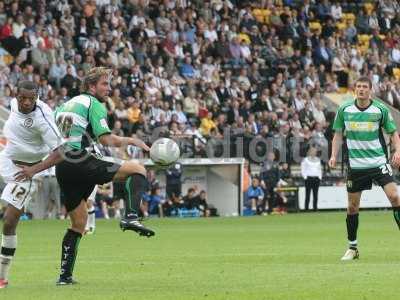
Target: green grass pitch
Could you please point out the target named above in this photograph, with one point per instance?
(274, 257)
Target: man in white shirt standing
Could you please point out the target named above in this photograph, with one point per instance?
(311, 171)
(31, 134)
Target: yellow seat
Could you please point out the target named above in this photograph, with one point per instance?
(8, 59)
(362, 49)
(315, 26)
(349, 16)
(267, 13)
(341, 25)
(244, 37)
(258, 15)
(343, 90)
(396, 73)
(369, 7)
(364, 38)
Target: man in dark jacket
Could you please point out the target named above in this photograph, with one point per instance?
(270, 176)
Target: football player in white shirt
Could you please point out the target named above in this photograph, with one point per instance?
(31, 134)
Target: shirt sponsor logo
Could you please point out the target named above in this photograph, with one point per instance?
(28, 122)
(103, 123)
(361, 126)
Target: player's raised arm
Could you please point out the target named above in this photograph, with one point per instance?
(98, 119)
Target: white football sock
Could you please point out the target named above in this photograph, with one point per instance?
(8, 246)
(91, 221)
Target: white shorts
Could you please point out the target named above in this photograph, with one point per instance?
(18, 194)
(92, 196)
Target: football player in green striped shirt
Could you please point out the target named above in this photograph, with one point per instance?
(83, 120)
(363, 122)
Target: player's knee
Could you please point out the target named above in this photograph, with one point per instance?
(394, 198)
(9, 225)
(352, 209)
(79, 226)
(137, 168)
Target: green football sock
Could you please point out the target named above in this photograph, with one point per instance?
(396, 215)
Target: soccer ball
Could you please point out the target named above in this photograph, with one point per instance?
(164, 152)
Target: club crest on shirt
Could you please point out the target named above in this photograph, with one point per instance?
(28, 122)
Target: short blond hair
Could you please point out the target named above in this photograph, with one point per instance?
(94, 75)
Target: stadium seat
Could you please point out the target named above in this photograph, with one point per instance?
(349, 16)
(343, 90)
(258, 15)
(341, 25)
(244, 37)
(261, 15)
(8, 59)
(396, 73)
(188, 213)
(363, 49)
(247, 212)
(315, 26)
(369, 7)
(364, 38)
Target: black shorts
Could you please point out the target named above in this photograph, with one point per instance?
(360, 180)
(77, 176)
(173, 189)
(118, 190)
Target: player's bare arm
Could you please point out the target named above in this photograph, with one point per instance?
(396, 143)
(336, 144)
(117, 141)
(27, 173)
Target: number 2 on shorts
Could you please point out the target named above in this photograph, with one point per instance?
(386, 169)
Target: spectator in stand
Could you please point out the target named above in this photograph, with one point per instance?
(134, 117)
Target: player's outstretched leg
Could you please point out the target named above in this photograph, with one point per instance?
(390, 190)
(8, 242)
(136, 185)
(69, 249)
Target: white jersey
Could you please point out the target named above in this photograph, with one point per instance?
(30, 137)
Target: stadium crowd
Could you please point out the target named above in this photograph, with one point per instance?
(205, 69)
